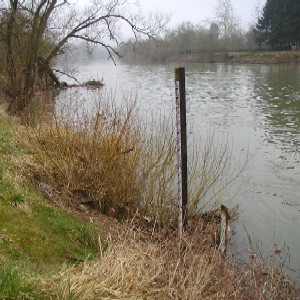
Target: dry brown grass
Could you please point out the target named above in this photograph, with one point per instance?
(135, 269)
(107, 160)
(101, 156)
(87, 159)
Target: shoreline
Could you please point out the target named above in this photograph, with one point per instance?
(105, 250)
(280, 57)
(263, 58)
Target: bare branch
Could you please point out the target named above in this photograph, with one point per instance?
(108, 48)
(91, 20)
(37, 31)
(66, 74)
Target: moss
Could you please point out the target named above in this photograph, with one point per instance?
(42, 234)
(35, 239)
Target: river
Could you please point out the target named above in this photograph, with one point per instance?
(254, 107)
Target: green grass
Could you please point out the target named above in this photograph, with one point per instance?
(6, 133)
(36, 240)
(44, 236)
(12, 286)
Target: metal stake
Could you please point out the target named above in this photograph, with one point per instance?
(181, 150)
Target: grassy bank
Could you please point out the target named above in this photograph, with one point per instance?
(88, 210)
(36, 239)
(275, 57)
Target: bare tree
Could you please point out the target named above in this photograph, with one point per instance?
(34, 32)
(213, 36)
(227, 22)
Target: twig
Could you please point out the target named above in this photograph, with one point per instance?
(68, 75)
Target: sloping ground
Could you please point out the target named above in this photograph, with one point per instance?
(36, 240)
(48, 253)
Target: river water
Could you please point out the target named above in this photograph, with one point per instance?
(256, 108)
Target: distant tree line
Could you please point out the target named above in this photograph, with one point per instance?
(222, 34)
(279, 25)
(276, 27)
(188, 38)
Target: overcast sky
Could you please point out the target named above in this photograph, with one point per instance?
(197, 11)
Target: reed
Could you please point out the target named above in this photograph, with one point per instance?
(104, 156)
(132, 269)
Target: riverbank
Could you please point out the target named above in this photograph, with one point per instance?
(55, 244)
(278, 57)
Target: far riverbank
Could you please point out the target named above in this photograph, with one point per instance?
(278, 57)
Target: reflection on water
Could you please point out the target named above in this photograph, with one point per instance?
(256, 108)
(279, 100)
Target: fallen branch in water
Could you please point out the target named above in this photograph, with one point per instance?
(66, 74)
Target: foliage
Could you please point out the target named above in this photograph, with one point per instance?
(279, 25)
(185, 39)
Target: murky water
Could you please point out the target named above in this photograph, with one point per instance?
(256, 108)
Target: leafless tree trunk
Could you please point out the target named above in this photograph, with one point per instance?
(227, 22)
(37, 31)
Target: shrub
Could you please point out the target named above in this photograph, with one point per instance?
(103, 156)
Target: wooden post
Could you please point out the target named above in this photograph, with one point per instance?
(181, 150)
(223, 230)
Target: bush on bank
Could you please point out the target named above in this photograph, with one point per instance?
(39, 239)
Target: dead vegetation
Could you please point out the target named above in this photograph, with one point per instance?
(101, 158)
(135, 269)
(103, 163)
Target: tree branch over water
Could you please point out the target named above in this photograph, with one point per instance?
(43, 30)
(68, 75)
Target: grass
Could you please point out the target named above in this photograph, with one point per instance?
(35, 238)
(88, 162)
(12, 285)
(266, 57)
(134, 269)
(43, 235)
(110, 161)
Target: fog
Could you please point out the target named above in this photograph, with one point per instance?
(198, 11)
